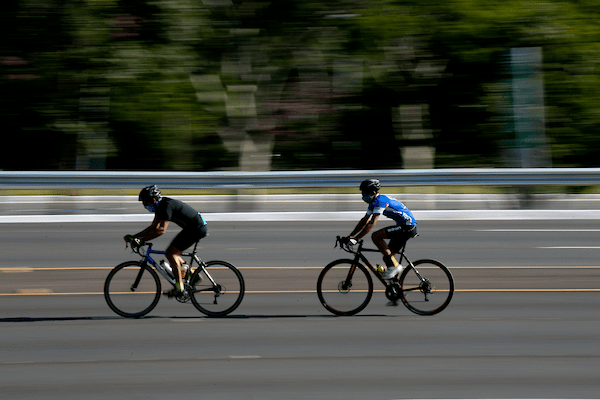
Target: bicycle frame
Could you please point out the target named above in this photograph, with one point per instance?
(358, 256)
(147, 258)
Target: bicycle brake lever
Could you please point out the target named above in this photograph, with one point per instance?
(133, 249)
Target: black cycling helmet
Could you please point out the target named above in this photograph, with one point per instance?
(370, 185)
(149, 192)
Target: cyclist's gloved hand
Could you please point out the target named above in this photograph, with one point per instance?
(135, 241)
(347, 241)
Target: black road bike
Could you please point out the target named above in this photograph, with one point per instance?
(133, 288)
(345, 286)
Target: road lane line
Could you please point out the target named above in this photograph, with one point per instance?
(530, 290)
(570, 247)
(34, 291)
(248, 357)
(16, 270)
(31, 269)
(280, 216)
(527, 290)
(537, 230)
(529, 267)
(451, 267)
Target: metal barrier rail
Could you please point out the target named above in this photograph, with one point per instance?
(299, 179)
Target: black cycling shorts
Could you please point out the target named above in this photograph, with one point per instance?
(188, 237)
(398, 236)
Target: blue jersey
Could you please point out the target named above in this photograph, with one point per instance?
(391, 208)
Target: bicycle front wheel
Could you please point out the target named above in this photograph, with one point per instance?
(344, 288)
(132, 289)
(427, 288)
(219, 291)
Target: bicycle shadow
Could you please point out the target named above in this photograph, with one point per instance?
(200, 317)
(55, 319)
(287, 316)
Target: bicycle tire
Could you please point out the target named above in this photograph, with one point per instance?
(428, 297)
(339, 296)
(123, 298)
(220, 300)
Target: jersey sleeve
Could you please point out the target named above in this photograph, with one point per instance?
(370, 209)
(163, 212)
(379, 205)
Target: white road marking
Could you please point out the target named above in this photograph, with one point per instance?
(249, 357)
(420, 215)
(570, 247)
(537, 230)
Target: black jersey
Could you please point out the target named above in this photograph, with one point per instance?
(178, 212)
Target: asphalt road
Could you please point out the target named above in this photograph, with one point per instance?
(523, 322)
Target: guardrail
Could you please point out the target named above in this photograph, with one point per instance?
(299, 179)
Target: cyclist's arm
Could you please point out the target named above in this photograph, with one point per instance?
(361, 224)
(364, 226)
(157, 228)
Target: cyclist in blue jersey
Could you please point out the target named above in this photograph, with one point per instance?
(405, 228)
(168, 210)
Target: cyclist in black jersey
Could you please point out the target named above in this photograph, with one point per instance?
(168, 210)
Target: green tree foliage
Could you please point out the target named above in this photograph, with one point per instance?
(472, 35)
(304, 84)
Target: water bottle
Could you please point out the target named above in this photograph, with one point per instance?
(381, 269)
(184, 270)
(166, 267)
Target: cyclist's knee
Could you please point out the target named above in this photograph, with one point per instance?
(173, 251)
(378, 236)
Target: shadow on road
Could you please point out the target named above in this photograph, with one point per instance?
(276, 316)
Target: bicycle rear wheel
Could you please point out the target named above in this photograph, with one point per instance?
(344, 288)
(427, 288)
(132, 289)
(222, 297)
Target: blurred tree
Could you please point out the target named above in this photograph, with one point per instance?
(33, 39)
(295, 84)
(156, 119)
(472, 36)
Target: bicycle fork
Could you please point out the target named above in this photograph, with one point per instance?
(346, 284)
(138, 278)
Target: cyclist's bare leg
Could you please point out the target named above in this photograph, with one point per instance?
(173, 255)
(379, 241)
(388, 257)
